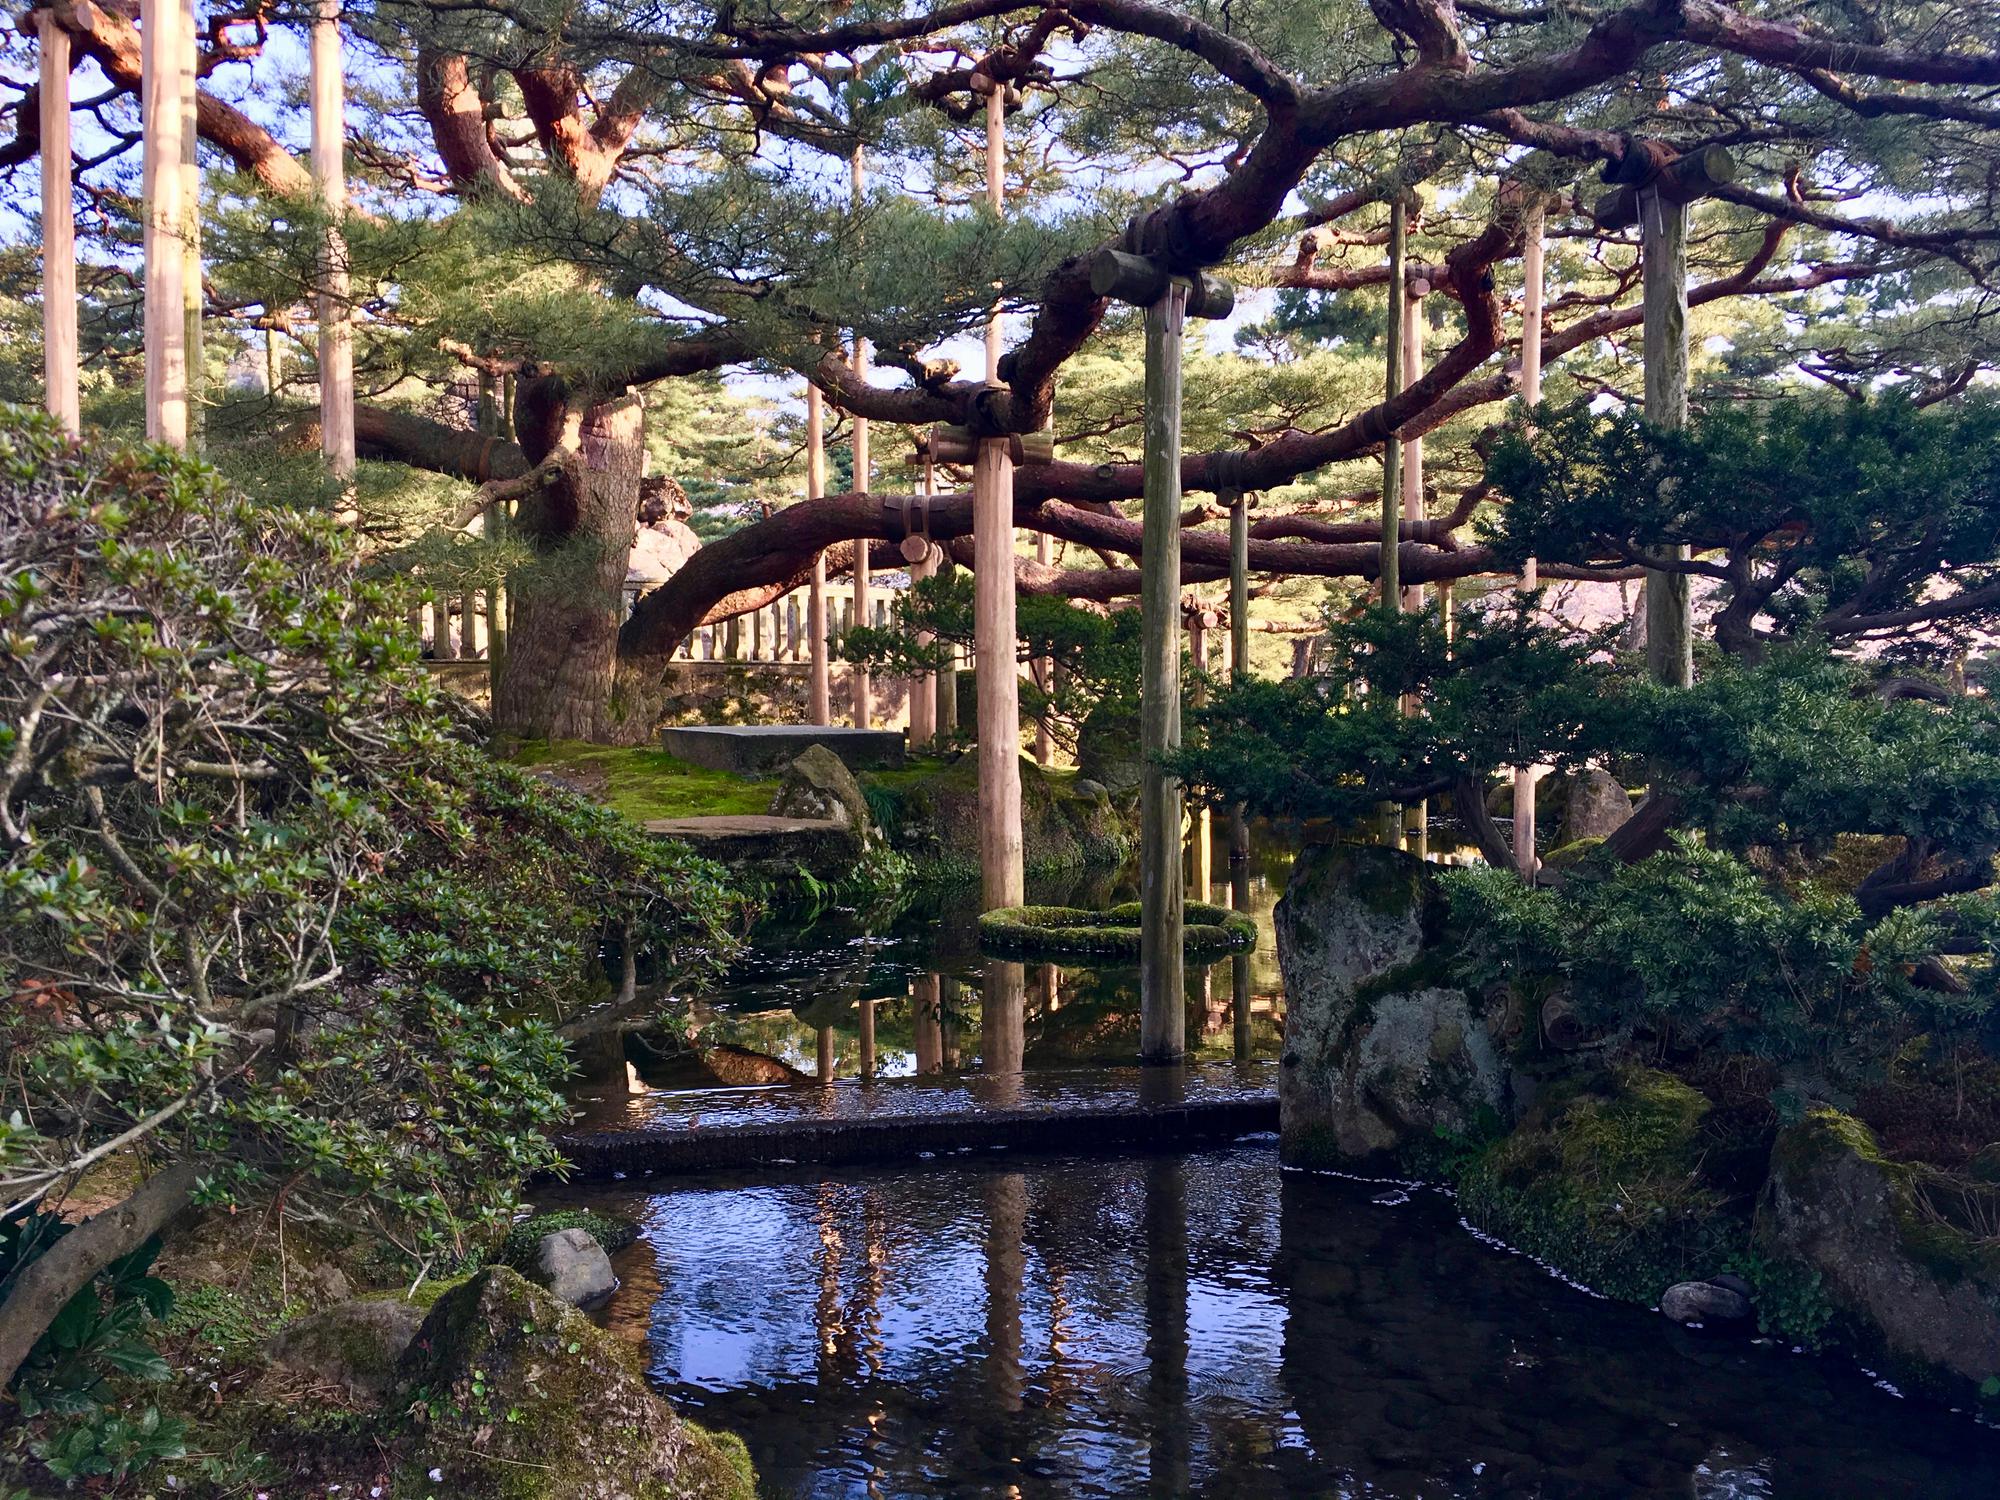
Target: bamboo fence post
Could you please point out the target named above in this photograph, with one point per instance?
(329, 171)
(59, 337)
(165, 222)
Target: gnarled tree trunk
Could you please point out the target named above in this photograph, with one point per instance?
(558, 678)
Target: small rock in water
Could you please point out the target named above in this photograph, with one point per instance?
(574, 1267)
(1693, 1302)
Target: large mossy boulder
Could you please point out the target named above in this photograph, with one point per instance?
(1063, 831)
(1107, 749)
(1602, 1178)
(1906, 1253)
(1595, 805)
(1384, 1052)
(520, 1397)
(818, 786)
(356, 1345)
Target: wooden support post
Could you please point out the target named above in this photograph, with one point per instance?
(191, 284)
(1162, 979)
(756, 635)
(1201, 844)
(1389, 564)
(1169, 299)
(923, 691)
(947, 677)
(998, 676)
(329, 170)
(867, 1041)
(1663, 252)
(1239, 647)
(1392, 448)
(819, 696)
(996, 197)
(1654, 191)
(165, 222)
(1417, 816)
(864, 693)
(1532, 292)
(732, 638)
(59, 341)
(1413, 448)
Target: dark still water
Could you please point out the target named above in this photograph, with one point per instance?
(1207, 1325)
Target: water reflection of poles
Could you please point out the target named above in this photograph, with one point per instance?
(1003, 1003)
(829, 1326)
(1006, 1270)
(1239, 966)
(926, 1025)
(1167, 1324)
(949, 1012)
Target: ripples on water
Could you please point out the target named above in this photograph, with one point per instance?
(1207, 1325)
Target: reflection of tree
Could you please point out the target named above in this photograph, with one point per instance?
(1006, 1269)
(1167, 1324)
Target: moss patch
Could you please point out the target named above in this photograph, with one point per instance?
(1038, 931)
(644, 784)
(1603, 1180)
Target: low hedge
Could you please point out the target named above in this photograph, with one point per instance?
(1069, 931)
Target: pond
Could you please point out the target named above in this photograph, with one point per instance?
(1210, 1325)
(845, 994)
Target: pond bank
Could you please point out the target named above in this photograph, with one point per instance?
(1210, 1324)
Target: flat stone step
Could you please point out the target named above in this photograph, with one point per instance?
(737, 838)
(897, 1120)
(761, 749)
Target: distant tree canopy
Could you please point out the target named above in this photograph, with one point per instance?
(592, 198)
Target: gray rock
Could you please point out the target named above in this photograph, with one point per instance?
(1594, 805)
(1704, 1302)
(353, 1344)
(1381, 1050)
(573, 1267)
(1095, 791)
(1925, 1293)
(818, 785)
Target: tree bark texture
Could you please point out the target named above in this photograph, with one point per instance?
(562, 678)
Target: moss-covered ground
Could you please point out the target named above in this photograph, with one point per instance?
(644, 783)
